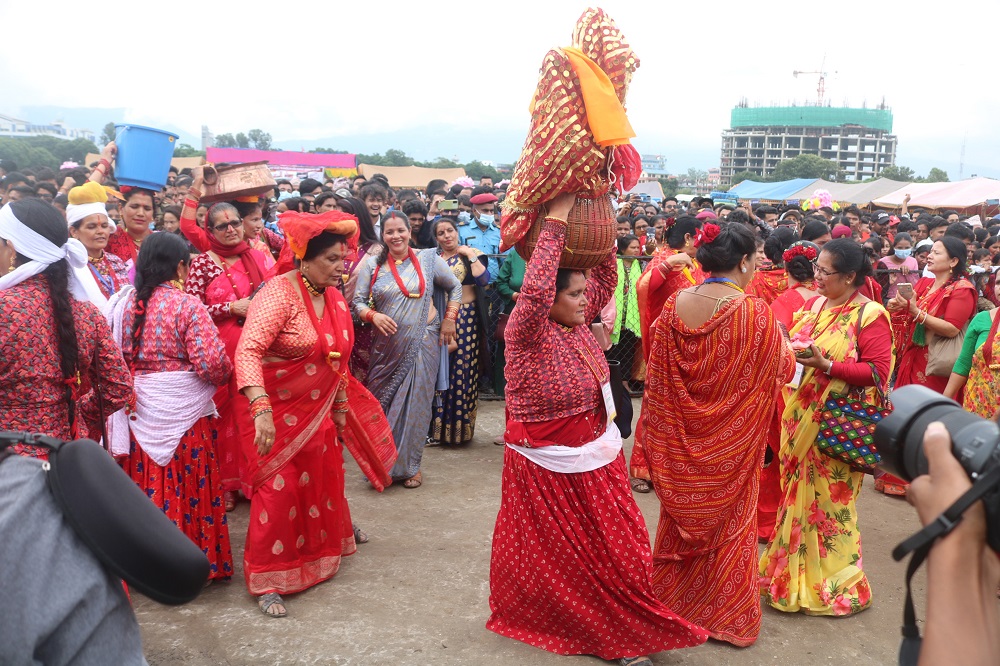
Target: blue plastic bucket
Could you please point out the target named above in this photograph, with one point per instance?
(144, 155)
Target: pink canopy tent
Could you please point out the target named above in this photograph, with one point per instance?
(974, 193)
(281, 158)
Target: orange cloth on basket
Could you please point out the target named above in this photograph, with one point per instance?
(605, 113)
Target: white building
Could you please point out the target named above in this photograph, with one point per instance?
(14, 127)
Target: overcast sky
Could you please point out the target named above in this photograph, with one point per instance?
(311, 70)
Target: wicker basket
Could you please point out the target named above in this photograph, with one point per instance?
(590, 234)
(230, 182)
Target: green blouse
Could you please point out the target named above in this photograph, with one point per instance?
(975, 336)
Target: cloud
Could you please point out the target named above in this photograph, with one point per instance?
(305, 71)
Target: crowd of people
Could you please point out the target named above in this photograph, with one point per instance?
(231, 351)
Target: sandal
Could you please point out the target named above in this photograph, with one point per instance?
(641, 485)
(359, 536)
(635, 661)
(414, 481)
(266, 601)
(229, 499)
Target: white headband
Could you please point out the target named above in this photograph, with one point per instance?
(76, 212)
(43, 254)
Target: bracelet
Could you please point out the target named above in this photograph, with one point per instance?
(553, 218)
(258, 408)
(263, 411)
(340, 411)
(262, 395)
(369, 315)
(191, 203)
(194, 193)
(106, 164)
(338, 401)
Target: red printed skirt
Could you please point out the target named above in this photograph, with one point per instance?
(570, 569)
(189, 491)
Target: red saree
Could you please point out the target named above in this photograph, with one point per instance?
(652, 291)
(710, 397)
(955, 302)
(768, 284)
(234, 425)
(300, 524)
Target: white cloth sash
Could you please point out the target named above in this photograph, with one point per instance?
(167, 404)
(574, 459)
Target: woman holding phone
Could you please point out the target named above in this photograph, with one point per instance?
(939, 307)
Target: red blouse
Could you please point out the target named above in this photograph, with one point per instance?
(554, 372)
(32, 392)
(277, 325)
(122, 246)
(178, 334)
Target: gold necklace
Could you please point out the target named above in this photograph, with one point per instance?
(97, 260)
(310, 287)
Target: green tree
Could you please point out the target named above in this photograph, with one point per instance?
(25, 154)
(898, 172)
(669, 186)
(260, 139)
(242, 141)
(187, 150)
(108, 134)
(746, 175)
(936, 175)
(805, 166)
(696, 176)
(332, 151)
(476, 170)
(225, 141)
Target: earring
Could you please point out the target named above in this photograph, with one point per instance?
(743, 269)
(12, 266)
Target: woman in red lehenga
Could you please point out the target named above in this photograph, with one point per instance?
(225, 277)
(164, 440)
(798, 261)
(665, 275)
(569, 571)
(291, 363)
(718, 360)
(942, 306)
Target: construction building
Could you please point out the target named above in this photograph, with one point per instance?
(859, 141)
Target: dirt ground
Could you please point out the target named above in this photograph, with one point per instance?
(417, 592)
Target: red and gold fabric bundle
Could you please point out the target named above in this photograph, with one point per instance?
(578, 140)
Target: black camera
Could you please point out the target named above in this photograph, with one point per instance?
(975, 442)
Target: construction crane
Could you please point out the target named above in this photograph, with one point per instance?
(821, 88)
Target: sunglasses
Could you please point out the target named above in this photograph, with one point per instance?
(228, 225)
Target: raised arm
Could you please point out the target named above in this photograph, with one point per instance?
(189, 212)
(538, 292)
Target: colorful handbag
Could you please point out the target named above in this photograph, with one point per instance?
(847, 429)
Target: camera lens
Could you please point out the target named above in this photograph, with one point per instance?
(900, 437)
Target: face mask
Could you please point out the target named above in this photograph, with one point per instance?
(903, 254)
(464, 217)
(486, 219)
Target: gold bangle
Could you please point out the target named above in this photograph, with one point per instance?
(555, 219)
(340, 411)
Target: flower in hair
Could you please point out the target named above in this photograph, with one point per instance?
(806, 251)
(707, 234)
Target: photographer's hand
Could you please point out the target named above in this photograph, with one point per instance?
(963, 623)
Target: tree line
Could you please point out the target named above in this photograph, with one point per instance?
(814, 166)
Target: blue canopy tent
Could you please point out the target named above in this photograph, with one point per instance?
(751, 190)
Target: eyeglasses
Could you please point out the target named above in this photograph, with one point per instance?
(819, 270)
(229, 225)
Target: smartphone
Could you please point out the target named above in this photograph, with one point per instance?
(651, 234)
(448, 204)
(905, 289)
